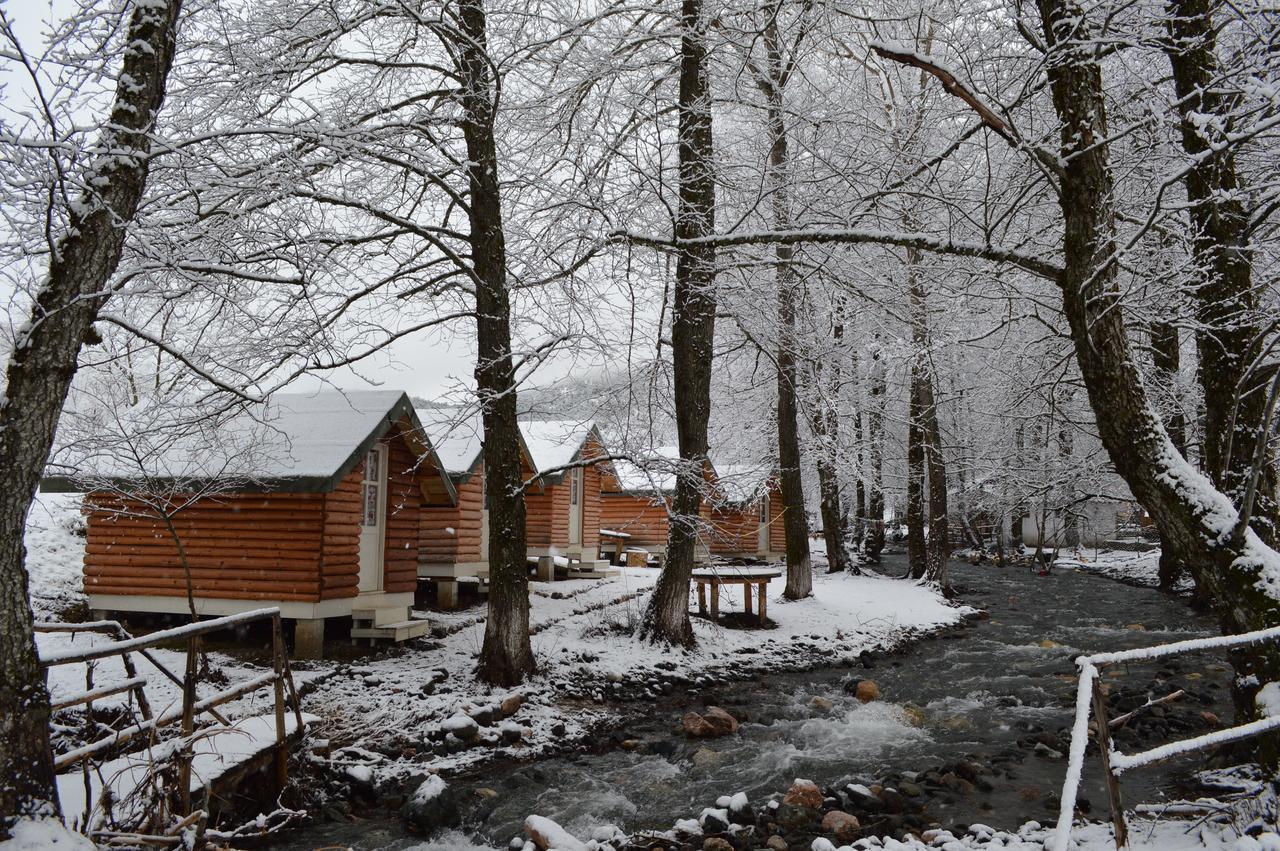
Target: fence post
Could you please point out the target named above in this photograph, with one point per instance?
(188, 724)
(278, 664)
(1104, 747)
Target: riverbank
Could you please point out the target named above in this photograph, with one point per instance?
(390, 721)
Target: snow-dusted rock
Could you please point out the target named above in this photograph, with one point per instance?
(464, 727)
(803, 793)
(432, 806)
(714, 820)
(841, 825)
(549, 836)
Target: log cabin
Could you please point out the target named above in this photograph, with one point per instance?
(747, 517)
(562, 517)
(635, 500)
(311, 504)
(454, 539)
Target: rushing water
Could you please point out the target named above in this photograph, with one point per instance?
(980, 689)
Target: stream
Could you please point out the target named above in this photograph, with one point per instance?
(981, 692)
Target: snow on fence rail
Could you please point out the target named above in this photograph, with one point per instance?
(124, 645)
(1089, 692)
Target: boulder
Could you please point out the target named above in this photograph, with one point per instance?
(511, 705)
(821, 704)
(432, 806)
(804, 793)
(714, 820)
(841, 825)
(776, 843)
(546, 834)
(867, 691)
(462, 726)
(914, 714)
(722, 722)
(716, 722)
(716, 843)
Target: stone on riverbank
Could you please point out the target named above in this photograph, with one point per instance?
(841, 825)
(867, 691)
(433, 806)
(716, 722)
(546, 834)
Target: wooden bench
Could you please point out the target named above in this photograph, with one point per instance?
(745, 576)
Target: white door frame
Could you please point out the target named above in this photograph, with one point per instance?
(762, 539)
(373, 520)
(576, 480)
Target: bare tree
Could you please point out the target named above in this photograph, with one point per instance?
(39, 373)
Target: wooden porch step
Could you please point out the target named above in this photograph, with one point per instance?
(398, 631)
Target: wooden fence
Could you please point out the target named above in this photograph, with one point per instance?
(1090, 696)
(124, 645)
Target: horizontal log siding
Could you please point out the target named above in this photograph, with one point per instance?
(735, 530)
(638, 516)
(240, 546)
(777, 526)
(404, 506)
(451, 534)
(341, 566)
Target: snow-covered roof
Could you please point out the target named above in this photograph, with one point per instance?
(457, 434)
(294, 441)
(554, 444)
(655, 473)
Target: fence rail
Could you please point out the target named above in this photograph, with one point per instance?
(124, 645)
(1090, 696)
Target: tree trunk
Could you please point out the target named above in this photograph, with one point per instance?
(939, 540)
(40, 370)
(826, 431)
(917, 544)
(506, 656)
(794, 519)
(873, 542)
(1199, 519)
(1231, 325)
(1166, 357)
(692, 332)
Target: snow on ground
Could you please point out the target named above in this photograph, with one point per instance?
(585, 647)
(1136, 568)
(1164, 835)
(55, 554)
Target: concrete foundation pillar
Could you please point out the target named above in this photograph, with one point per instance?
(546, 569)
(308, 639)
(100, 615)
(446, 594)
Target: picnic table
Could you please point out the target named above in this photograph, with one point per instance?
(734, 575)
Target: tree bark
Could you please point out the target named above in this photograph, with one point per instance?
(692, 332)
(1231, 325)
(1233, 568)
(795, 521)
(506, 656)
(872, 543)
(917, 542)
(927, 554)
(1166, 358)
(826, 430)
(39, 374)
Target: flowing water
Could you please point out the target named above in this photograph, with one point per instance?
(981, 690)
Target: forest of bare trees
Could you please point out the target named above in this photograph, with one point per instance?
(944, 265)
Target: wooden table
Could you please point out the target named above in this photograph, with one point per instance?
(744, 576)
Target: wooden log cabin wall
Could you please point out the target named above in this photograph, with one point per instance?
(292, 537)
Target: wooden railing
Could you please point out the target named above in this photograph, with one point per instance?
(1090, 695)
(124, 645)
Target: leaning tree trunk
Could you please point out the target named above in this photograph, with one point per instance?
(506, 657)
(795, 521)
(1233, 564)
(1166, 358)
(692, 332)
(1230, 327)
(873, 540)
(939, 543)
(39, 375)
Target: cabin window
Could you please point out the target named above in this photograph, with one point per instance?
(371, 473)
(573, 485)
(764, 510)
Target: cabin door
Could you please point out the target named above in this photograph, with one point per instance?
(575, 507)
(762, 545)
(373, 519)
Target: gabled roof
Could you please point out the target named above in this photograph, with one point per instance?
(655, 473)
(554, 445)
(300, 442)
(457, 433)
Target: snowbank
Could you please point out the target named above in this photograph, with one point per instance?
(55, 554)
(1135, 568)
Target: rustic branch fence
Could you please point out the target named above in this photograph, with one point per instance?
(125, 645)
(1090, 696)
